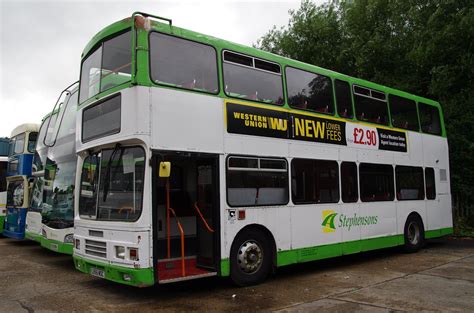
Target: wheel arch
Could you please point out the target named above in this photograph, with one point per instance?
(267, 234)
(417, 215)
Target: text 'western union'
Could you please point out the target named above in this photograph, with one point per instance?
(259, 121)
(317, 129)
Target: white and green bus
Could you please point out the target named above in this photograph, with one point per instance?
(201, 157)
(57, 208)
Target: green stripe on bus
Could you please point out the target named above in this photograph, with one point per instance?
(333, 250)
(438, 232)
(33, 236)
(56, 246)
(139, 277)
(2, 221)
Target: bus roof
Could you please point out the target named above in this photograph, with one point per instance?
(123, 24)
(23, 128)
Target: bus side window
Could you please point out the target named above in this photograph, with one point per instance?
(246, 77)
(429, 118)
(309, 91)
(255, 181)
(349, 182)
(409, 181)
(430, 183)
(370, 105)
(182, 63)
(314, 181)
(343, 99)
(376, 182)
(32, 142)
(403, 113)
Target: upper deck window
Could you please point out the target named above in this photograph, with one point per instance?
(32, 137)
(19, 144)
(309, 91)
(429, 118)
(343, 99)
(106, 67)
(250, 78)
(403, 113)
(183, 63)
(370, 105)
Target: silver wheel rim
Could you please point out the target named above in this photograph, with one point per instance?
(250, 257)
(413, 233)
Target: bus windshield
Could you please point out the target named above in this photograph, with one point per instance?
(58, 206)
(109, 65)
(114, 194)
(15, 193)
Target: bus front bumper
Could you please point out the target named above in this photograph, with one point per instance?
(33, 236)
(143, 277)
(56, 246)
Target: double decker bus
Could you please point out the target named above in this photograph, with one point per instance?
(33, 216)
(57, 209)
(201, 157)
(4, 148)
(20, 158)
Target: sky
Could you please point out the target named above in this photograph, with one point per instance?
(41, 41)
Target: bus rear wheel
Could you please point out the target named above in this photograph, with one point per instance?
(414, 234)
(250, 258)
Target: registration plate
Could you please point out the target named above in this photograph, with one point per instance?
(54, 246)
(97, 272)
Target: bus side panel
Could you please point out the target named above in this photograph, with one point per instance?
(277, 219)
(350, 237)
(435, 154)
(307, 229)
(186, 121)
(384, 211)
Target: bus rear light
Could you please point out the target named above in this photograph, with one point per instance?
(241, 214)
(133, 254)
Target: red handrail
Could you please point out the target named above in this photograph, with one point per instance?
(202, 218)
(168, 217)
(181, 231)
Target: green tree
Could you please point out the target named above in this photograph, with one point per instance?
(421, 46)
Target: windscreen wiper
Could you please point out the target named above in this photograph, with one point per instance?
(107, 172)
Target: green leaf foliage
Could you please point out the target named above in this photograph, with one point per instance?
(424, 47)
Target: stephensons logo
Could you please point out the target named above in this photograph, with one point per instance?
(329, 221)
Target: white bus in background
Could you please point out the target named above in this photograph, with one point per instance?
(57, 209)
(33, 228)
(201, 157)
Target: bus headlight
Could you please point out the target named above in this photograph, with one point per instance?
(120, 252)
(78, 244)
(69, 238)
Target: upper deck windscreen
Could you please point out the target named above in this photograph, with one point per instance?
(109, 65)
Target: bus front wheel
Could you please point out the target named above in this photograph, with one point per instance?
(414, 234)
(250, 258)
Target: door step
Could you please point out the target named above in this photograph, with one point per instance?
(170, 270)
(173, 280)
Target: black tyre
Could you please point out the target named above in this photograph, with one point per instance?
(414, 234)
(250, 258)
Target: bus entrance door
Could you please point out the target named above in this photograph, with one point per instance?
(186, 216)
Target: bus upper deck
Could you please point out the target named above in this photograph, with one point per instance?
(22, 149)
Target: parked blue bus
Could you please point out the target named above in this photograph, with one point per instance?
(20, 158)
